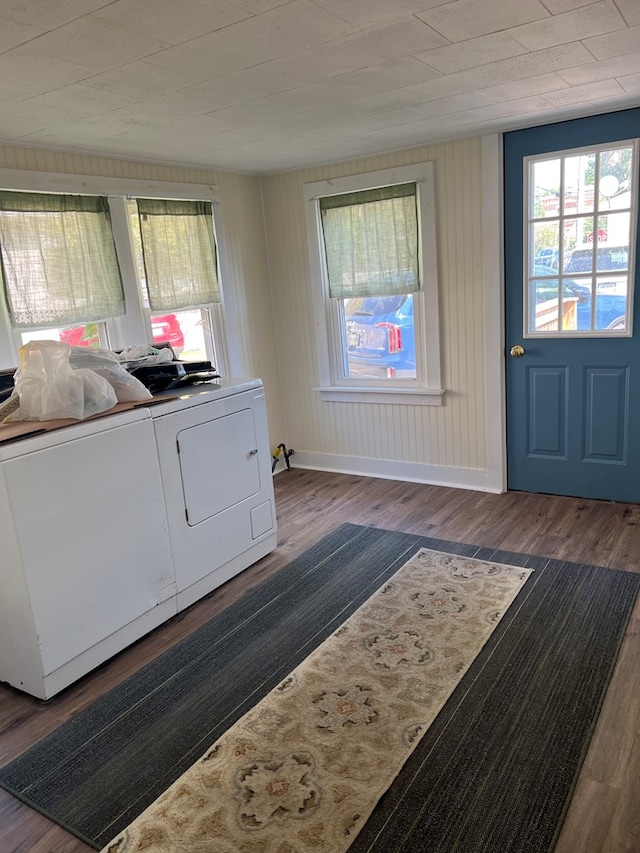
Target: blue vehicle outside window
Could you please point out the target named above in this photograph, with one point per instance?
(380, 333)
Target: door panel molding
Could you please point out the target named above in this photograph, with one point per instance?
(606, 406)
(547, 393)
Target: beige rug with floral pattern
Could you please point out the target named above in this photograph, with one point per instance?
(302, 771)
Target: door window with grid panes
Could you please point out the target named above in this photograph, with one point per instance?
(580, 211)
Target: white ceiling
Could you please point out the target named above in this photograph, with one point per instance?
(270, 85)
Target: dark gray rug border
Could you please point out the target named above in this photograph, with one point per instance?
(629, 584)
(241, 613)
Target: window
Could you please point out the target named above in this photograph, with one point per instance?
(580, 210)
(179, 248)
(59, 264)
(374, 277)
(80, 268)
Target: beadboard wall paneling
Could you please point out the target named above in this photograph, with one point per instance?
(247, 256)
(255, 351)
(368, 435)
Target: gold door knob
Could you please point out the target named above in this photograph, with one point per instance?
(517, 351)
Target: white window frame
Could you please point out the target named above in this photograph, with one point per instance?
(527, 220)
(135, 326)
(426, 389)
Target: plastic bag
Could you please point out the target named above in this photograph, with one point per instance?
(144, 354)
(99, 393)
(49, 388)
(105, 363)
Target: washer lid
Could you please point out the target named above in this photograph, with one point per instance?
(195, 395)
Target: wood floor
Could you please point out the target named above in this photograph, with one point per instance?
(604, 816)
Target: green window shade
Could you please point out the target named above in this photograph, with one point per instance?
(59, 263)
(179, 253)
(371, 241)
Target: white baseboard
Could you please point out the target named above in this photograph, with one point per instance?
(476, 479)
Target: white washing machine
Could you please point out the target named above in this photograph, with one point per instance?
(215, 463)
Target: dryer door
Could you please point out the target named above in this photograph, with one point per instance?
(218, 464)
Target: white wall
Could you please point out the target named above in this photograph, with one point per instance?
(245, 243)
(457, 444)
(445, 444)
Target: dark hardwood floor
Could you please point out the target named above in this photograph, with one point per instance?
(604, 816)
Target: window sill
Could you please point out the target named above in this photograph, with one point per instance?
(390, 396)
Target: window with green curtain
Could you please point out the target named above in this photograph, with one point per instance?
(59, 263)
(179, 253)
(371, 241)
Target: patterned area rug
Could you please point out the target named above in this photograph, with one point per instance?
(302, 771)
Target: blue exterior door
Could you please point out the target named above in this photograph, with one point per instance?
(573, 401)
